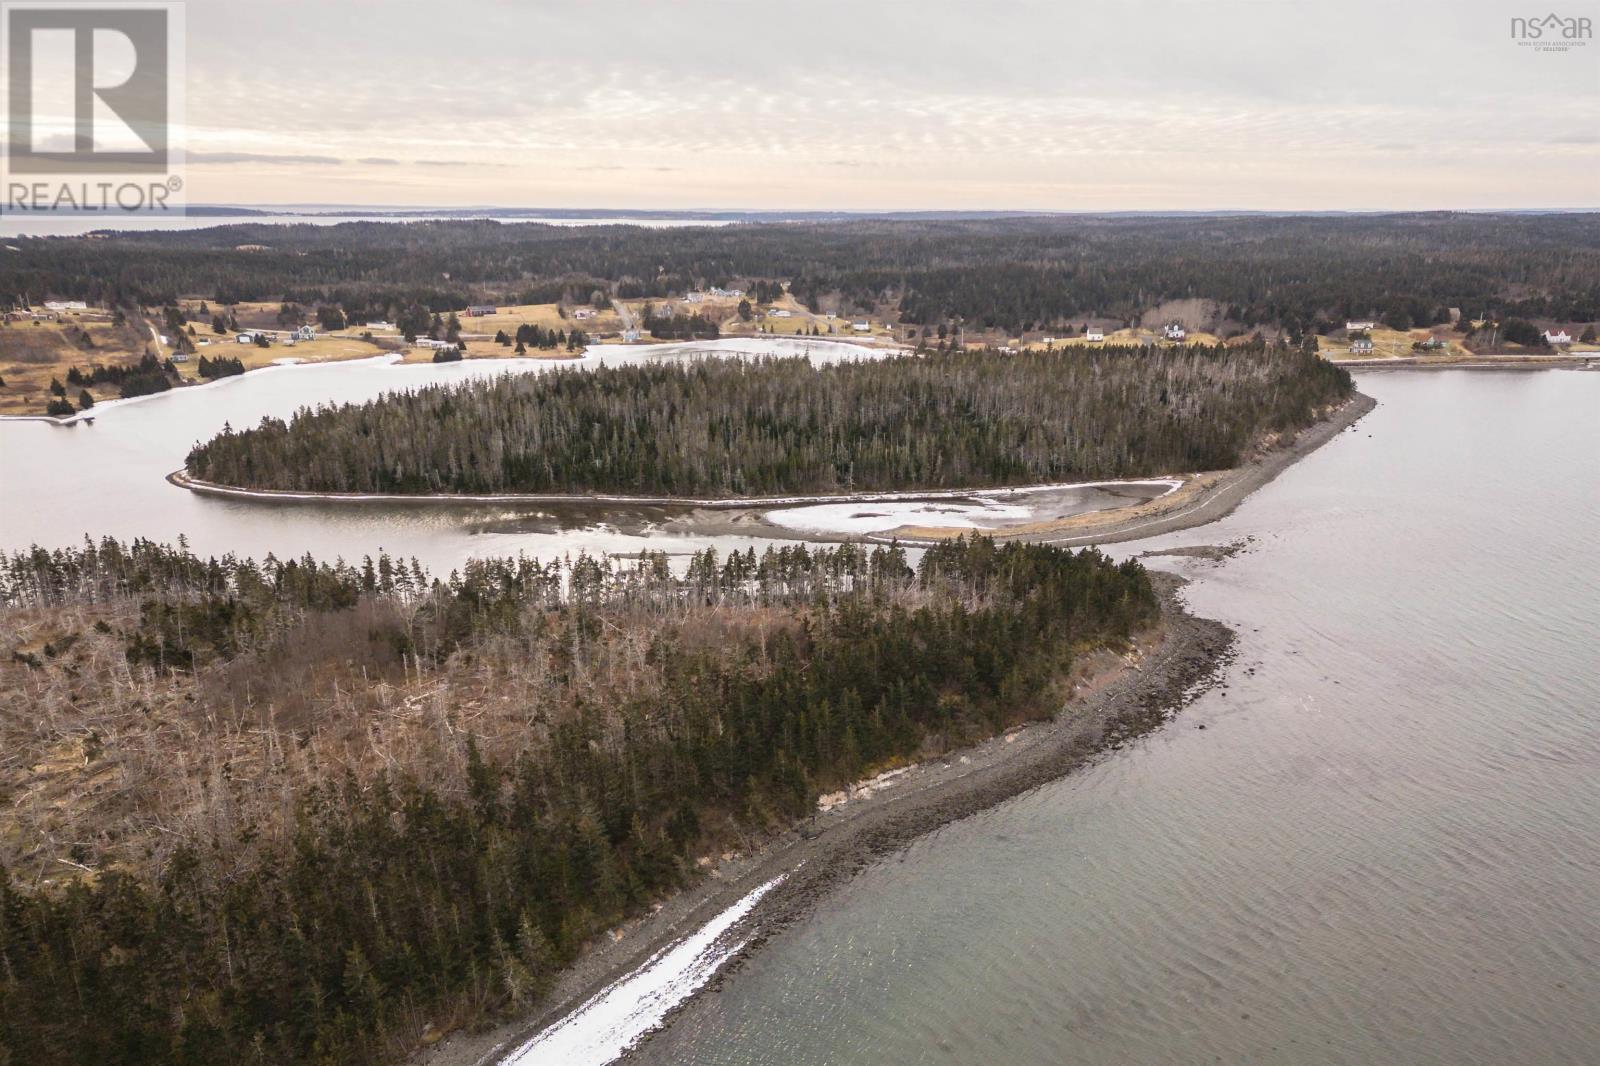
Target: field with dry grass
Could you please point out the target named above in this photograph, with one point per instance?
(32, 352)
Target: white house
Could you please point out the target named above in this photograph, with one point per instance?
(1094, 333)
(861, 327)
(630, 335)
(305, 333)
(246, 337)
(380, 325)
(65, 305)
(695, 297)
(583, 313)
(1361, 346)
(1557, 337)
(1358, 326)
(1174, 332)
(778, 312)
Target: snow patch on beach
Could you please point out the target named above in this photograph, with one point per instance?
(874, 518)
(981, 509)
(605, 1027)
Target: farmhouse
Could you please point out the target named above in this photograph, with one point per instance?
(1557, 337)
(305, 333)
(778, 312)
(861, 327)
(1174, 331)
(246, 337)
(1361, 326)
(1361, 346)
(65, 305)
(480, 310)
(1094, 333)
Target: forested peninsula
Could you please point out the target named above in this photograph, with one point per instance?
(729, 428)
(294, 812)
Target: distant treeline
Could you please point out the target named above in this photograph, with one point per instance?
(1023, 273)
(399, 800)
(779, 426)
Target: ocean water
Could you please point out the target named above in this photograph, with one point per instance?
(1381, 847)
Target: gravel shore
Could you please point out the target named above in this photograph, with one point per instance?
(1169, 667)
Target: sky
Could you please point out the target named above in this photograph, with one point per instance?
(869, 105)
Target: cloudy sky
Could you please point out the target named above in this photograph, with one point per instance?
(1064, 105)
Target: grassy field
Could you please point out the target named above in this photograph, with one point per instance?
(34, 352)
(545, 316)
(1115, 337)
(1396, 344)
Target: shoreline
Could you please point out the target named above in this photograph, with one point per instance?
(1184, 655)
(1555, 361)
(1219, 494)
(183, 480)
(1214, 495)
(1223, 496)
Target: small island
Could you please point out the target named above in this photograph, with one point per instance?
(729, 429)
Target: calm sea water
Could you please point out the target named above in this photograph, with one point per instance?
(1381, 849)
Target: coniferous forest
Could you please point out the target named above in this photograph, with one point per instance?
(292, 812)
(780, 426)
(1288, 272)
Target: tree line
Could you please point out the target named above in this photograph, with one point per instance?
(492, 768)
(721, 427)
(1291, 272)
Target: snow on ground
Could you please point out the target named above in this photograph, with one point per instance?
(606, 1026)
(877, 517)
(981, 509)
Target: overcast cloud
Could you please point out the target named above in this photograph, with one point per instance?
(1068, 106)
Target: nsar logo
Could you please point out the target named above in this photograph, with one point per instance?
(1552, 33)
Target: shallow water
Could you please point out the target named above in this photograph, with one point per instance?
(1380, 848)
